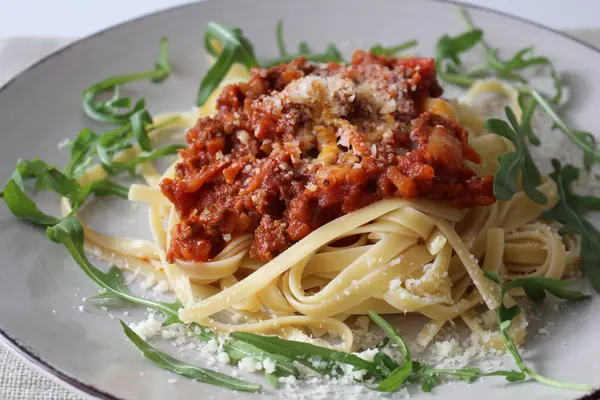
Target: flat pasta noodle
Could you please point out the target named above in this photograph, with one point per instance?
(406, 255)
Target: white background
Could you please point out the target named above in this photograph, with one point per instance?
(75, 18)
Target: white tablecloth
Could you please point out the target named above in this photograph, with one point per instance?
(17, 380)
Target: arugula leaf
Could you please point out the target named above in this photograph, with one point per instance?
(451, 47)
(69, 188)
(280, 40)
(305, 353)
(385, 363)
(62, 184)
(115, 140)
(400, 373)
(87, 143)
(80, 153)
(569, 211)
(447, 57)
(428, 375)
(83, 148)
(382, 343)
(379, 49)
(69, 232)
(331, 54)
(453, 77)
(237, 350)
(589, 203)
(514, 163)
(535, 288)
(236, 48)
(505, 315)
(273, 380)
(30, 169)
(528, 106)
(510, 375)
(138, 122)
(144, 156)
(582, 139)
(162, 64)
(23, 207)
(17, 200)
(105, 187)
(522, 59)
(415, 371)
(588, 158)
(108, 111)
(420, 373)
(172, 364)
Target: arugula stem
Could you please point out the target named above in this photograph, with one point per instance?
(463, 81)
(590, 203)
(393, 50)
(280, 41)
(89, 94)
(587, 147)
(106, 112)
(304, 353)
(315, 57)
(556, 383)
(490, 54)
(478, 69)
(172, 364)
(504, 317)
(106, 187)
(465, 16)
(401, 373)
(235, 48)
(82, 260)
(403, 46)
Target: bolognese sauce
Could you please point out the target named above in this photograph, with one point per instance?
(301, 144)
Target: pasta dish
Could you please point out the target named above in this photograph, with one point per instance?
(322, 192)
(312, 191)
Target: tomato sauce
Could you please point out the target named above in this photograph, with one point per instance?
(301, 144)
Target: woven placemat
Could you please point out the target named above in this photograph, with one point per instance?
(17, 380)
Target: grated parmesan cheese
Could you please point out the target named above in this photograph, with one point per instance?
(269, 365)
(223, 358)
(243, 136)
(247, 364)
(148, 329)
(162, 287)
(149, 282)
(312, 187)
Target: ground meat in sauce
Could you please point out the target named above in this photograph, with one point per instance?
(301, 144)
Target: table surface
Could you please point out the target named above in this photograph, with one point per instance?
(33, 35)
(75, 18)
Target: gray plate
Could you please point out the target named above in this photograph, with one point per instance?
(41, 287)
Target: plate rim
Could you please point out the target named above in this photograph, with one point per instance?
(46, 367)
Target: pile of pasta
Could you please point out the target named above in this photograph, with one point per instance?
(409, 256)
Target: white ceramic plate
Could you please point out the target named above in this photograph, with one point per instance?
(40, 285)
